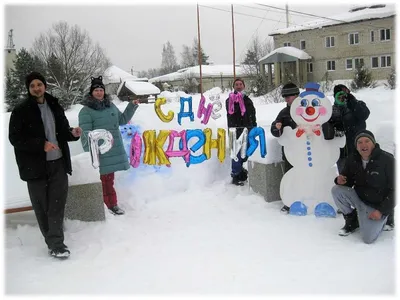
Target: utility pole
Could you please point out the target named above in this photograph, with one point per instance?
(287, 15)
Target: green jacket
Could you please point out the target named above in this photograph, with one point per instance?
(105, 115)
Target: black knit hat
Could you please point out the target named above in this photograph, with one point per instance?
(290, 89)
(364, 133)
(96, 83)
(32, 76)
(338, 88)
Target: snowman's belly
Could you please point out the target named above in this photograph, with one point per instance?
(309, 154)
(308, 186)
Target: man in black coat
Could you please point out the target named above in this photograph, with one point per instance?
(289, 92)
(348, 118)
(240, 120)
(39, 132)
(367, 183)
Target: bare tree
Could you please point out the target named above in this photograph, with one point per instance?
(71, 58)
(168, 62)
(187, 58)
(252, 68)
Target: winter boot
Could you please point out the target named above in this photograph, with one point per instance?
(242, 176)
(351, 223)
(285, 210)
(389, 226)
(61, 253)
(116, 210)
(237, 181)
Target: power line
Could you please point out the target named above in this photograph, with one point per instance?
(317, 16)
(237, 13)
(244, 49)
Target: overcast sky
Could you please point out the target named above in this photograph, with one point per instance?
(133, 36)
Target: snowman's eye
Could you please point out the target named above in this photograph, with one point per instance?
(304, 102)
(315, 102)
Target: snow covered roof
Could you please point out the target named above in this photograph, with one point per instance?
(140, 88)
(356, 14)
(116, 75)
(206, 70)
(284, 54)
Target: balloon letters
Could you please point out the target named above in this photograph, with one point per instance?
(237, 144)
(94, 137)
(183, 113)
(203, 111)
(160, 114)
(153, 147)
(236, 97)
(254, 132)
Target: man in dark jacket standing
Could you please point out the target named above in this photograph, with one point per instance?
(39, 132)
(366, 183)
(348, 118)
(289, 92)
(240, 120)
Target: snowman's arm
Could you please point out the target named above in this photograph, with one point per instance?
(286, 136)
(338, 141)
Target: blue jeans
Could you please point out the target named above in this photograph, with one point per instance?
(237, 166)
(345, 197)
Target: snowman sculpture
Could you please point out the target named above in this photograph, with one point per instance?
(306, 188)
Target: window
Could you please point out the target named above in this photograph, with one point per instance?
(309, 67)
(302, 45)
(330, 65)
(372, 36)
(330, 41)
(358, 62)
(385, 34)
(386, 61)
(374, 62)
(353, 38)
(286, 44)
(349, 64)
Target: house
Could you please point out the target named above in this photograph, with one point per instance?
(131, 89)
(335, 46)
(188, 79)
(127, 86)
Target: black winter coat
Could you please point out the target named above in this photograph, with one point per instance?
(350, 119)
(284, 118)
(374, 184)
(236, 119)
(27, 135)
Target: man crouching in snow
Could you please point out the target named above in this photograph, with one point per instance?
(367, 184)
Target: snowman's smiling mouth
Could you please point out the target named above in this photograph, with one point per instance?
(310, 120)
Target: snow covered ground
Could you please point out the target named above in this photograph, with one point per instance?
(188, 231)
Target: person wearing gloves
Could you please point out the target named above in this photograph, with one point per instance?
(349, 116)
(100, 113)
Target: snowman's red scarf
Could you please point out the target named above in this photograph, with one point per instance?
(316, 129)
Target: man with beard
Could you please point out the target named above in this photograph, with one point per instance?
(39, 132)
